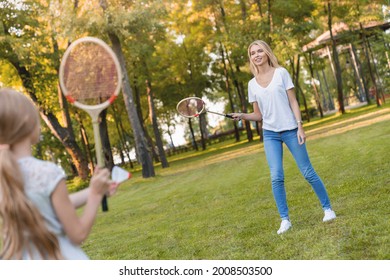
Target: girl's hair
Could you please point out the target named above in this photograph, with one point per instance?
(272, 60)
(22, 225)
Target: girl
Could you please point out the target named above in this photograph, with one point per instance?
(38, 217)
(274, 102)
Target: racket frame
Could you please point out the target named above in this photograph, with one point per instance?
(195, 115)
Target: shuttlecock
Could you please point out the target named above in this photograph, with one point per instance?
(119, 175)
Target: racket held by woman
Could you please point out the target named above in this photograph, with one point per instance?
(192, 107)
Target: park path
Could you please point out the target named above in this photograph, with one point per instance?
(349, 124)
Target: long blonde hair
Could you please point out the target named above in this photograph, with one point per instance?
(272, 60)
(22, 225)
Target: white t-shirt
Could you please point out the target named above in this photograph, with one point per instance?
(273, 101)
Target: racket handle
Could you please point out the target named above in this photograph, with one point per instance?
(229, 116)
(104, 204)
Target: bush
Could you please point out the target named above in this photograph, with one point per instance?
(76, 184)
(313, 112)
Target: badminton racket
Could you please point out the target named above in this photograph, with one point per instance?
(90, 78)
(192, 107)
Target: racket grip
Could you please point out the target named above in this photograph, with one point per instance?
(104, 204)
(229, 116)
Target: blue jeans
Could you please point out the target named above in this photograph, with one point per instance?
(273, 147)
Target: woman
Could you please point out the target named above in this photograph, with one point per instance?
(274, 102)
(38, 219)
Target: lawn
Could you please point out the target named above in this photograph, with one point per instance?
(218, 205)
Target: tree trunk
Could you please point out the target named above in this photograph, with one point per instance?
(227, 87)
(322, 93)
(235, 82)
(330, 99)
(139, 137)
(78, 158)
(270, 22)
(259, 129)
(85, 143)
(64, 134)
(299, 89)
(258, 4)
(379, 87)
(65, 111)
(143, 154)
(316, 95)
(365, 47)
(358, 71)
(171, 139)
(297, 86)
(153, 119)
(339, 81)
(142, 119)
(243, 10)
(241, 95)
(202, 119)
(121, 133)
(244, 108)
(126, 142)
(106, 145)
(194, 144)
(203, 130)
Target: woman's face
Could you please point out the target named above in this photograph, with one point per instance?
(258, 56)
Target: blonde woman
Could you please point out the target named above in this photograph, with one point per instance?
(272, 94)
(38, 219)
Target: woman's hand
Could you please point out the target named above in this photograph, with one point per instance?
(301, 135)
(236, 116)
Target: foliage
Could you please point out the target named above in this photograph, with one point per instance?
(76, 184)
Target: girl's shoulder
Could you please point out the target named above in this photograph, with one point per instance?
(38, 163)
(40, 174)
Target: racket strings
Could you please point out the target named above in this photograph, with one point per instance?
(90, 74)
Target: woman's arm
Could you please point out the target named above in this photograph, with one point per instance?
(254, 116)
(297, 114)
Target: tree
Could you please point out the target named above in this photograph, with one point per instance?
(156, 130)
(143, 155)
(22, 34)
(191, 48)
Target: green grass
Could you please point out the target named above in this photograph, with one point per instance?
(218, 205)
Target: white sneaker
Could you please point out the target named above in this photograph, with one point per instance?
(284, 226)
(329, 215)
